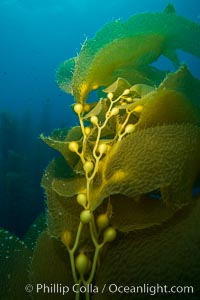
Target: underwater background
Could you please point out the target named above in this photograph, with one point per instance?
(36, 36)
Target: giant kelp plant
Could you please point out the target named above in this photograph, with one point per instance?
(119, 198)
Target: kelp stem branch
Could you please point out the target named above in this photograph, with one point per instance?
(72, 251)
(84, 137)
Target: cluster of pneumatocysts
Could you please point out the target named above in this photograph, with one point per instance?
(101, 232)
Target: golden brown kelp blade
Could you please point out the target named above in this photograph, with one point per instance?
(166, 255)
(131, 214)
(145, 75)
(137, 42)
(50, 266)
(165, 107)
(146, 160)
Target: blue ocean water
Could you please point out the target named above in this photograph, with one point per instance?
(35, 37)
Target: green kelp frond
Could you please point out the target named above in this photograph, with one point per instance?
(117, 87)
(64, 75)
(179, 32)
(134, 44)
(139, 50)
(15, 258)
(63, 211)
(185, 83)
(34, 231)
(60, 139)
